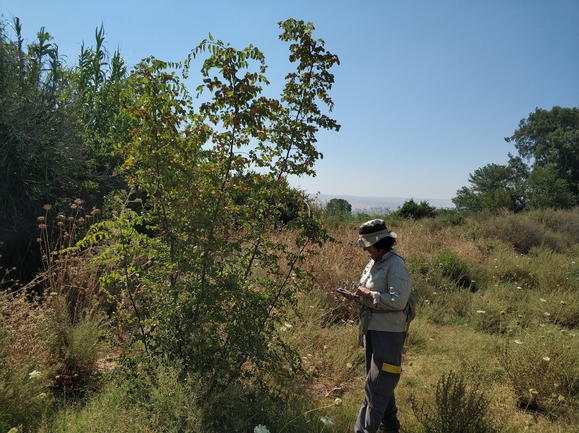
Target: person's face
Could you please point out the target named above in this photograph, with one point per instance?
(373, 251)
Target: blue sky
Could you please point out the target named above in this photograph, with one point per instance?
(425, 93)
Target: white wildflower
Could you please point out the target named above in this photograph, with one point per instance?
(288, 325)
(260, 429)
(327, 420)
(543, 300)
(480, 311)
(34, 374)
(518, 342)
(546, 314)
(546, 358)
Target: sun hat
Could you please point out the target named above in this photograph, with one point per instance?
(372, 231)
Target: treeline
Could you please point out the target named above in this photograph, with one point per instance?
(544, 174)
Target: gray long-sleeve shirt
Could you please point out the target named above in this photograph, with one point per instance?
(390, 285)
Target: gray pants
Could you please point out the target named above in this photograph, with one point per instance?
(379, 407)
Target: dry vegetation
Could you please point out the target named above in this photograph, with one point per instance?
(496, 332)
(498, 308)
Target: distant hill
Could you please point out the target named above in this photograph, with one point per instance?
(365, 204)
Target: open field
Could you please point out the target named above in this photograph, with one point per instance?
(497, 325)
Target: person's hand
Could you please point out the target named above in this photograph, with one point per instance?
(363, 292)
(347, 294)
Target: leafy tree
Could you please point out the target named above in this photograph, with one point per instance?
(551, 138)
(544, 174)
(210, 288)
(492, 187)
(338, 206)
(411, 209)
(546, 190)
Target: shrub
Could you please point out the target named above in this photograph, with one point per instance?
(411, 209)
(562, 222)
(457, 408)
(75, 347)
(453, 267)
(542, 368)
(534, 229)
(445, 218)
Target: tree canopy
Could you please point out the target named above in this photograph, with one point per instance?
(338, 206)
(544, 174)
(550, 138)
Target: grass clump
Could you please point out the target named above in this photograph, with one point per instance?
(542, 367)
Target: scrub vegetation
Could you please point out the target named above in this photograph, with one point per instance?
(159, 274)
(501, 351)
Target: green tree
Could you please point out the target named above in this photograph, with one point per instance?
(546, 190)
(544, 174)
(411, 209)
(492, 187)
(338, 206)
(551, 138)
(212, 285)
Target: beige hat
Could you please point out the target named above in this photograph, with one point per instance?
(372, 231)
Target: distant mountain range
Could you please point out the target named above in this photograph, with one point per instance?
(365, 204)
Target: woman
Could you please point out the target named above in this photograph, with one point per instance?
(384, 292)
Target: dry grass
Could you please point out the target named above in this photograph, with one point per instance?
(531, 297)
(457, 329)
